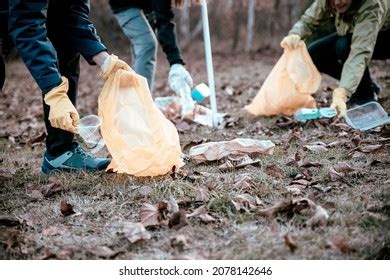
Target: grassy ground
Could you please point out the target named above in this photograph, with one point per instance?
(348, 178)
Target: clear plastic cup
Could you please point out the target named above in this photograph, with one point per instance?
(89, 130)
(367, 116)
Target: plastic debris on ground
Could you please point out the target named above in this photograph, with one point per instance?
(200, 92)
(236, 148)
(306, 114)
(366, 116)
(171, 107)
(89, 130)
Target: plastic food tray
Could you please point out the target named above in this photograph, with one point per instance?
(367, 116)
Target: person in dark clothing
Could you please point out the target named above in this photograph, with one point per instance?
(50, 36)
(132, 16)
(4, 40)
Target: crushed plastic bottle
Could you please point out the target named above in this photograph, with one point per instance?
(306, 114)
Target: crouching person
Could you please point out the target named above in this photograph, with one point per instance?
(363, 33)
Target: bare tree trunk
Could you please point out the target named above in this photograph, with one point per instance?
(237, 5)
(185, 22)
(250, 25)
(195, 32)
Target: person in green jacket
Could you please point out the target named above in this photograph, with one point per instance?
(363, 33)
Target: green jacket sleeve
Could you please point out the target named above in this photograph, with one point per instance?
(367, 26)
(311, 19)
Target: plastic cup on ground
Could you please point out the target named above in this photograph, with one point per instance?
(89, 130)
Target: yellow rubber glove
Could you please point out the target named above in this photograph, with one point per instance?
(339, 101)
(113, 64)
(291, 41)
(62, 113)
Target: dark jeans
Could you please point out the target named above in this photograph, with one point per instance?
(330, 53)
(59, 141)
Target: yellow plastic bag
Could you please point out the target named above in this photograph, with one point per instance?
(289, 85)
(140, 139)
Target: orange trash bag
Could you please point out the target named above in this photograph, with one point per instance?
(141, 140)
(289, 85)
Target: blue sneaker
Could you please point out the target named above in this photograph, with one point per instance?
(75, 159)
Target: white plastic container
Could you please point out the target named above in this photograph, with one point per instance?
(200, 92)
(367, 116)
(89, 130)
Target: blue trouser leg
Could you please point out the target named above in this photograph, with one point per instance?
(58, 141)
(144, 43)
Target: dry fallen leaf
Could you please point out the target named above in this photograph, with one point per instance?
(51, 231)
(243, 182)
(334, 175)
(302, 182)
(36, 195)
(102, 251)
(54, 186)
(371, 148)
(29, 219)
(275, 171)
(316, 148)
(280, 207)
(9, 221)
(290, 242)
(63, 254)
(202, 213)
(308, 164)
(202, 194)
(9, 237)
(135, 232)
(150, 215)
(320, 217)
(183, 126)
(37, 139)
(245, 202)
(341, 243)
(66, 208)
(303, 205)
(343, 167)
(241, 162)
(179, 242)
(178, 220)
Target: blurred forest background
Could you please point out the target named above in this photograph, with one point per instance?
(236, 25)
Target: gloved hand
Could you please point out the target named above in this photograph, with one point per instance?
(291, 41)
(113, 64)
(180, 82)
(339, 101)
(62, 113)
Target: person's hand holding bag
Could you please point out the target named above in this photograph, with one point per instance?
(291, 41)
(112, 64)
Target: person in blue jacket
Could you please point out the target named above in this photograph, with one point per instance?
(50, 36)
(138, 20)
